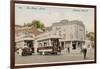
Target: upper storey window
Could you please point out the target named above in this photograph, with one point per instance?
(81, 30)
(59, 33)
(58, 28)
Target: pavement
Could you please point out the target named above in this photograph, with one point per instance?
(73, 56)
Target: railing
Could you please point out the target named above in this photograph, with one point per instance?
(49, 47)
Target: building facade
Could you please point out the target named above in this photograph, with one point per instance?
(63, 36)
(71, 35)
(25, 36)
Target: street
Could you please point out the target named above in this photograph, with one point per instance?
(74, 56)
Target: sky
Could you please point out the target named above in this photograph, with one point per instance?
(25, 13)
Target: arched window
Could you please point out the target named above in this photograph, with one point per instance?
(45, 44)
(40, 44)
(59, 33)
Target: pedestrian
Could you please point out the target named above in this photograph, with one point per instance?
(81, 48)
(20, 51)
(68, 50)
(84, 50)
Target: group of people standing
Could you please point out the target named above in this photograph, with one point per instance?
(83, 50)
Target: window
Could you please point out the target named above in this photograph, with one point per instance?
(59, 33)
(71, 35)
(40, 44)
(81, 30)
(45, 44)
(74, 46)
(64, 36)
(57, 28)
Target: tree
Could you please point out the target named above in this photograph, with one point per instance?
(37, 24)
(91, 37)
(42, 27)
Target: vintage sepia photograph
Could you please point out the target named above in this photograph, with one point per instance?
(50, 34)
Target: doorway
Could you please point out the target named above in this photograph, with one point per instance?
(30, 44)
(73, 45)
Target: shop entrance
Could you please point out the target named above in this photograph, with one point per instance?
(74, 45)
(29, 44)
